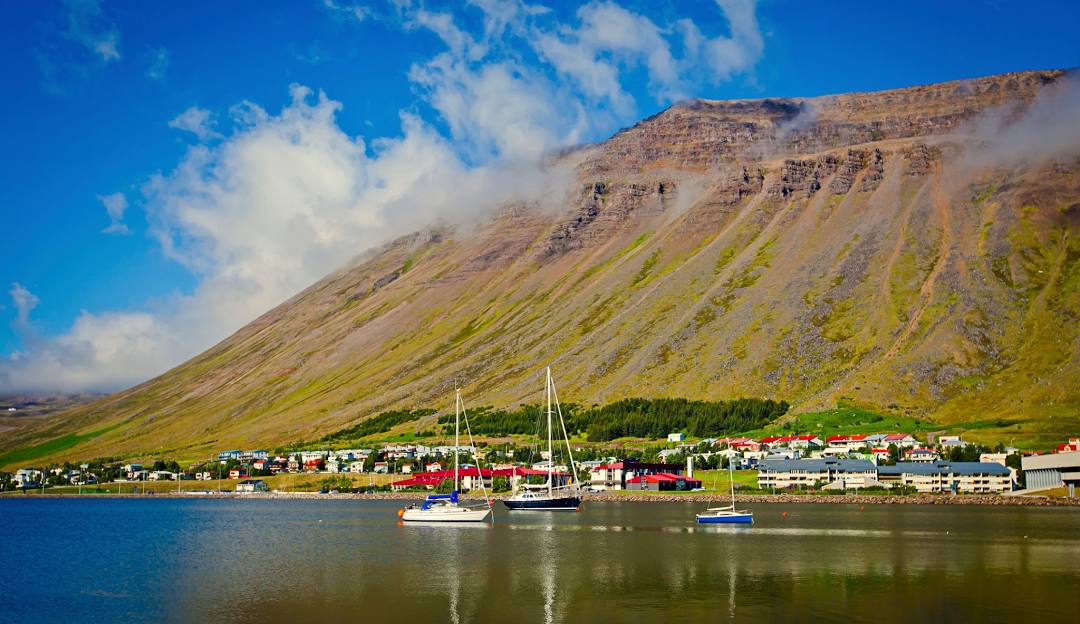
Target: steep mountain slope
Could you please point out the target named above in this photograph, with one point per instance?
(836, 248)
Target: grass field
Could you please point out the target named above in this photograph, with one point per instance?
(50, 447)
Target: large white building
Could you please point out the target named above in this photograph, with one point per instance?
(941, 476)
(810, 473)
(1051, 471)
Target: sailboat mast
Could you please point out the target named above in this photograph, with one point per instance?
(731, 480)
(457, 419)
(551, 454)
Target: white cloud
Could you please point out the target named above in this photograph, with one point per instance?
(611, 39)
(197, 121)
(287, 197)
(89, 28)
(25, 301)
(110, 350)
(358, 12)
(159, 64)
(115, 205)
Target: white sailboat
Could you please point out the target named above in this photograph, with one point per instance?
(548, 496)
(727, 514)
(447, 507)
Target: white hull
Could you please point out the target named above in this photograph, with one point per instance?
(450, 514)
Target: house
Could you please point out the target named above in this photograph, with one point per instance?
(950, 441)
(1052, 471)
(433, 467)
(314, 465)
(613, 476)
(238, 473)
(920, 455)
(381, 468)
(333, 465)
(850, 442)
(879, 455)
(261, 464)
(809, 473)
(312, 456)
(941, 476)
(469, 478)
(667, 453)
(901, 440)
(252, 485)
(26, 477)
(1072, 446)
(162, 475)
(356, 467)
(676, 437)
(247, 456)
(225, 456)
(791, 441)
(998, 458)
(130, 470)
(662, 481)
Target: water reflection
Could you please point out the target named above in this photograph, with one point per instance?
(298, 561)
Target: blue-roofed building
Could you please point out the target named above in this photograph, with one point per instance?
(942, 476)
(811, 473)
(227, 455)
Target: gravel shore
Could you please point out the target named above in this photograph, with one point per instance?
(621, 497)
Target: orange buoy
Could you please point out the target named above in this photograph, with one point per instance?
(861, 508)
(785, 514)
(401, 512)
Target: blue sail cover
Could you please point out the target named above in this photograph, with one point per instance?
(452, 497)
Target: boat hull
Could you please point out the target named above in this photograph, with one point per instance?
(560, 503)
(729, 519)
(459, 514)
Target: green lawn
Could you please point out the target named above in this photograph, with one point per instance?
(50, 447)
(846, 420)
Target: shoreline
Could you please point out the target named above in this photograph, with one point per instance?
(622, 497)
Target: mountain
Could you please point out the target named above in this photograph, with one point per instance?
(845, 248)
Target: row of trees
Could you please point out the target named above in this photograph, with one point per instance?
(635, 418)
(655, 418)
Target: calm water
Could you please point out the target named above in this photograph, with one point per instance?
(347, 561)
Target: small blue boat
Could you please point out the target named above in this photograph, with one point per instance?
(727, 514)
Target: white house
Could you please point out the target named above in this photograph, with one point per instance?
(676, 437)
(161, 475)
(25, 477)
(250, 486)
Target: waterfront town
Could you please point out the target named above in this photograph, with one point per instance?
(892, 463)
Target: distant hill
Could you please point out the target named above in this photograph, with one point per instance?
(841, 248)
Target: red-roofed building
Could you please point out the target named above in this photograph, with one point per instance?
(791, 441)
(470, 477)
(615, 476)
(662, 481)
(1071, 446)
(902, 440)
(852, 441)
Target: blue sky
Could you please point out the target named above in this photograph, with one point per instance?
(187, 108)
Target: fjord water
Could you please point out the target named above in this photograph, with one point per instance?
(295, 561)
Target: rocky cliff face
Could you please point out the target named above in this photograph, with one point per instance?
(814, 250)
